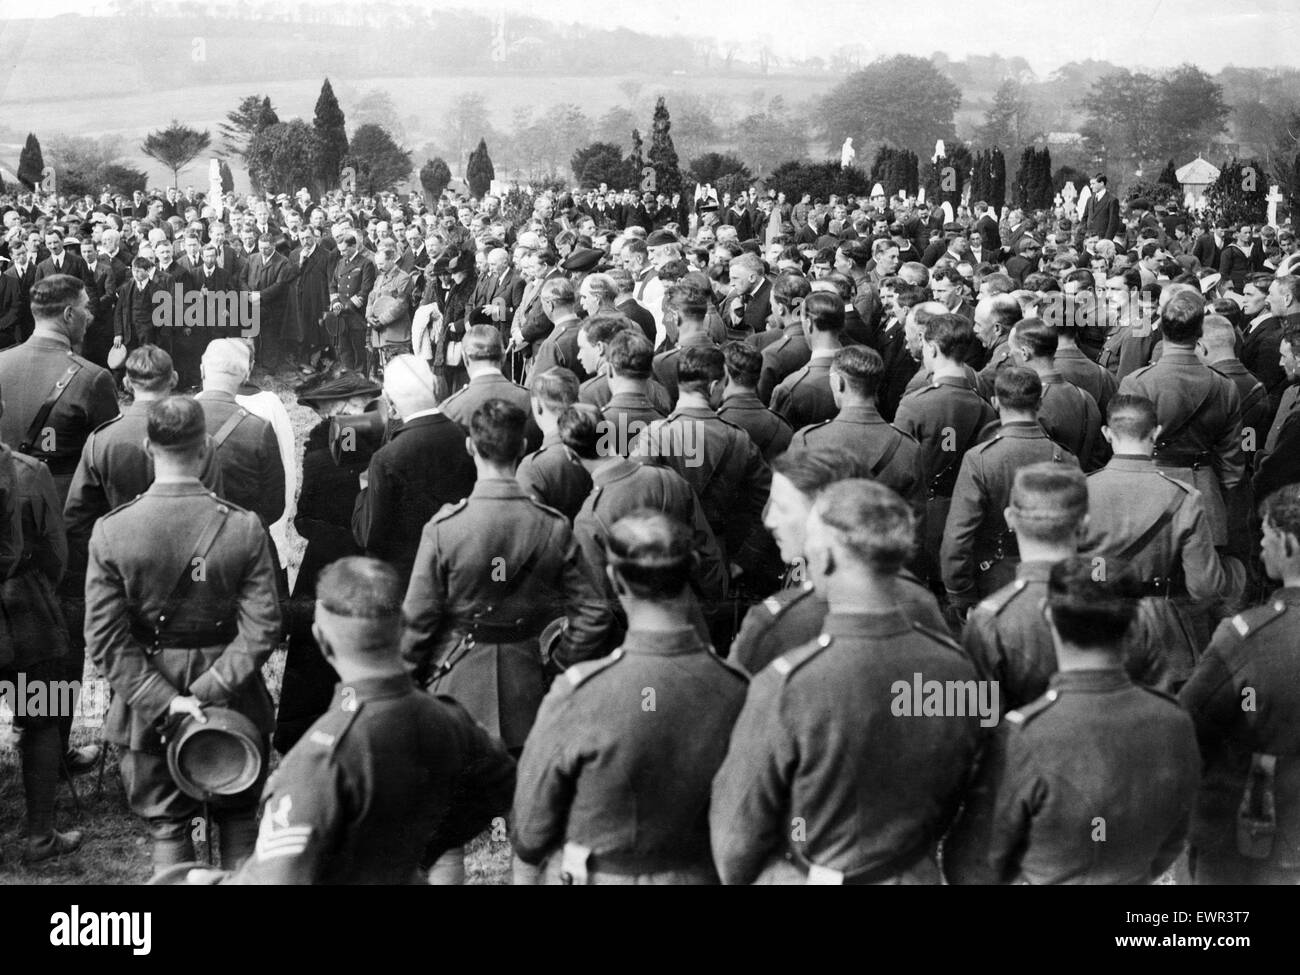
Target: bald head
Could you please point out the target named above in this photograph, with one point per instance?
(408, 385)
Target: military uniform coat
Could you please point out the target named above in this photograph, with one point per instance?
(769, 431)
(892, 456)
(804, 397)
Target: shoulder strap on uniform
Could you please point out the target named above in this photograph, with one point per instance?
(1023, 715)
(938, 636)
(580, 673)
(788, 663)
(1261, 616)
(206, 537)
(232, 423)
(886, 457)
(1147, 537)
(1001, 599)
(43, 414)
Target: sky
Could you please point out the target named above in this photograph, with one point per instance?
(1148, 33)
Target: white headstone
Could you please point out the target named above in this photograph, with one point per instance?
(1274, 198)
(847, 153)
(1084, 197)
(214, 186)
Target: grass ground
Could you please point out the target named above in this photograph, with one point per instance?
(115, 850)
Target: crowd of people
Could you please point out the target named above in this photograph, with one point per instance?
(845, 540)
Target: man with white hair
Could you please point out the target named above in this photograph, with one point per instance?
(410, 478)
(252, 471)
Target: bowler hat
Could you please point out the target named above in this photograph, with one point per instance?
(583, 259)
(223, 756)
(660, 238)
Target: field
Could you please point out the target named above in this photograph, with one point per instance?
(115, 849)
(421, 103)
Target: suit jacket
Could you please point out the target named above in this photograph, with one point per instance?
(271, 277)
(502, 291)
(990, 237)
(11, 308)
(72, 264)
(351, 285)
(1261, 354)
(423, 467)
(758, 306)
(309, 296)
(1101, 217)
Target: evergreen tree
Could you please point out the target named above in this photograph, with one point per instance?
(435, 175)
(663, 157)
(1240, 194)
(997, 191)
(1169, 176)
(31, 163)
(479, 172)
(635, 162)
(331, 138)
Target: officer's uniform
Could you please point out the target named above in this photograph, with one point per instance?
(804, 397)
(820, 740)
(614, 781)
(946, 418)
(665, 363)
(1009, 641)
(386, 774)
(252, 472)
(786, 355)
(621, 488)
(979, 553)
(1093, 783)
(1071, 417)
(29, 376)
(793, 616)
(923, 378)
(33, 637)
(491, 572)
(892, 456)
(1243, 697)
(1095, 380)
(1200, 440)
(351, 285)
(595, 392)
(159, 625)
(627, 416)
(1140, 515)
(560, 348)
(462, 404)
(554, 476)
(720, 463)
(770, 432)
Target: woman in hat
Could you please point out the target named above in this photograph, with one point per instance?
(455, 297)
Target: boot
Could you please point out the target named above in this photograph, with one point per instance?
(168, 851)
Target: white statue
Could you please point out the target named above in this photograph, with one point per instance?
(847, 153)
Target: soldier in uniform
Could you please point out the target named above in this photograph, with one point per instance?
(491, 572)
(1244, 698)
(717, 459)
(946, 417)
(1006, 635)
(820, 738)
(804, 397)
(789, 350)
(629, 411)
(1143, 517)
(594, 337)
(115, 466)
(387, 772)
(33, 638)
(181, 612)
(54, 398)
(617, 794)
(793, 616)
(689, 301)
(889, 455)
(552, 473)
(1070, 317)
(1199, 412)
(560, 346)
(1035, 810)
(621, 486)
(741, 405)
(353, 280)
(484, 354)
(979, 553)
(1070, 416)
(248, 453)
(422, 468)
